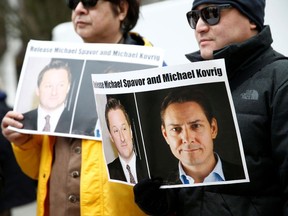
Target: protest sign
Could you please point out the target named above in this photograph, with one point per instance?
(167, 146)
(55, 86)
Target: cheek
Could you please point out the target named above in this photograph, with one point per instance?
(63, 92)
(222, 40)
(73, 17)
(173, 142)
(204, 138)
(115, 139)
(126, 134)
(208, 144)
(228, 36)
(173, 148)
(44, 93)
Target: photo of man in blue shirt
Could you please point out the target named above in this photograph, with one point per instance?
(189, 127)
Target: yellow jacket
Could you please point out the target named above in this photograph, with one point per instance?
(98, 196)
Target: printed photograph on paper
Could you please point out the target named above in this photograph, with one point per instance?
(176, 122)
(55, 92)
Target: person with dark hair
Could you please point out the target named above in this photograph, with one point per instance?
(53, 85)
(112, 24)
(258, 79)
(190, 128)
(72, 175)
(127, 166)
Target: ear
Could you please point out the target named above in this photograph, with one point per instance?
(111, 138)
(214, 128)
(123, 9)
(68, 89)
(131, 131)
(253, 26)
(164, 133)
(37, 91)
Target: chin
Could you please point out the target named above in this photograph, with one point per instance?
(206, 54)
(207, 57)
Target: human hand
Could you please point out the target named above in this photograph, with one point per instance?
(13, 119)
(151, 199)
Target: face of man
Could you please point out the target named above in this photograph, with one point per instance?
(53, 89)
(189, 134)
(98, 24)
(121, 133)
(233, 27)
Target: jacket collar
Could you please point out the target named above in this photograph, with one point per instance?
(238, 56)
(134, 38)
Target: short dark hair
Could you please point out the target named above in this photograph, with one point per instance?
(114, 104)
(132, 14)
(54, 64)
(179, 95)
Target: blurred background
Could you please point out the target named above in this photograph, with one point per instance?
(23, 20)
(162, 21)
(20, 21)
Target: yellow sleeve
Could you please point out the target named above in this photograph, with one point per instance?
(28, 156)
(98, 195)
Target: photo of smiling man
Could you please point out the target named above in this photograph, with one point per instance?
(53, 86)
(127, 166)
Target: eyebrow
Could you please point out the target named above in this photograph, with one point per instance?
(123, 124)
(192, 122)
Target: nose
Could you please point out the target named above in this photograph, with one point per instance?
(201, 26)
(122, 138)
(79, 5)
(80, 8)
(54, 90)
(187, 136)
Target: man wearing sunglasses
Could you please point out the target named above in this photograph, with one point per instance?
(258, 78)
(71, 173)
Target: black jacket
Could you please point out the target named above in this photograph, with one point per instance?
(18, 189)
(258, 77)
(63, 125)
(116, 172)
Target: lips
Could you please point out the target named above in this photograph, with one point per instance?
(204, 41)
(123, 145)
(81, 23)
(190, 148)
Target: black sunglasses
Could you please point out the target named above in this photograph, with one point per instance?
(210, 15)
(72, 4)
